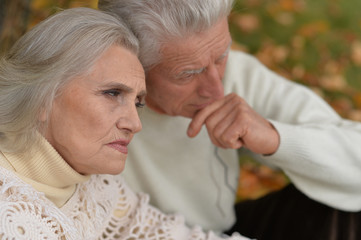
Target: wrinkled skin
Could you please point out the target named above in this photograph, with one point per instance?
(95, 116)
(188, 82)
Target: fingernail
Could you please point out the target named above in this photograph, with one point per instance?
(190, 131)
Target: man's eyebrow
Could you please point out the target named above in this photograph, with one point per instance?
(196, 71)
(189, 72)
(192, 71)
(227, 50)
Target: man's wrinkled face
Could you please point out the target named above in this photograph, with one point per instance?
(190, 74)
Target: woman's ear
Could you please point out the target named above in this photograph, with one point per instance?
(43, 115)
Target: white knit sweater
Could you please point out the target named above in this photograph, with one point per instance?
(102, 207)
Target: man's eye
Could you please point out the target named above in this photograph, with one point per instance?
(112, 92)
(186, 76)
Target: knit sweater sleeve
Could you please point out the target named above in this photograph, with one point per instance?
(319, 151)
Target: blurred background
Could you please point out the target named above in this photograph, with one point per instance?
(316, 43)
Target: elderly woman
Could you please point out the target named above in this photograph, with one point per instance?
(69, 90)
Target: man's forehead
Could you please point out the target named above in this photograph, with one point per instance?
(199, 66)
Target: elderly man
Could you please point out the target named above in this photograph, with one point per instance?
(208, 104)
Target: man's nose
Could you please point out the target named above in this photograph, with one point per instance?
(211, 83)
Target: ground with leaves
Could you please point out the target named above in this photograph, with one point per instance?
(313, 42)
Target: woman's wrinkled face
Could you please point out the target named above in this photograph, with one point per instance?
(95, 115)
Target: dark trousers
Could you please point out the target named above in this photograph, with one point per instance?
(288, 214)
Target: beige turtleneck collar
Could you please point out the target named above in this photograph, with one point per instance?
(45, 170)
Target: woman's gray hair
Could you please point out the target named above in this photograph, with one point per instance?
(155, 22)
(42, 61)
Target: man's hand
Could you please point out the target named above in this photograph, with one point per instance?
(232, 123)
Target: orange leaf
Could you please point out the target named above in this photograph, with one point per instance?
(314, 28)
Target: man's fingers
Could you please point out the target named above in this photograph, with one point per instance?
(232, 136)
(218, 130)
(219, 115)
(199, 119)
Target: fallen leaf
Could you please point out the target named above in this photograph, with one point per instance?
(356, 52)
(314, 28)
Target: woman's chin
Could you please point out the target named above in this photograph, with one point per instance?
(117, 168)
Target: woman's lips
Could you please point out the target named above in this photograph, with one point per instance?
(120, 146)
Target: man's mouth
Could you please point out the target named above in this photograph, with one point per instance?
(201, 106)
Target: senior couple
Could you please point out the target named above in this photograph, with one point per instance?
(70, 91)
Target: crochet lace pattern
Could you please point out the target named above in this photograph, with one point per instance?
(102, 208)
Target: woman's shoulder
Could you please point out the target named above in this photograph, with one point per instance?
(25, 212)
(13, 189)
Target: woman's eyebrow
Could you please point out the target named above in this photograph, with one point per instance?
(125, 88)
(142, 93)
(119, 86)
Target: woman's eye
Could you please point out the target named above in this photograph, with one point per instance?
(139, 104)
(112, 92)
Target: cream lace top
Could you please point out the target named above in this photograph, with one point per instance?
(99, 207)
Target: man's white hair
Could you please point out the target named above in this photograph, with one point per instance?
(155, 22)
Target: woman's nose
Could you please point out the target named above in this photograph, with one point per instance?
(131, 121)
